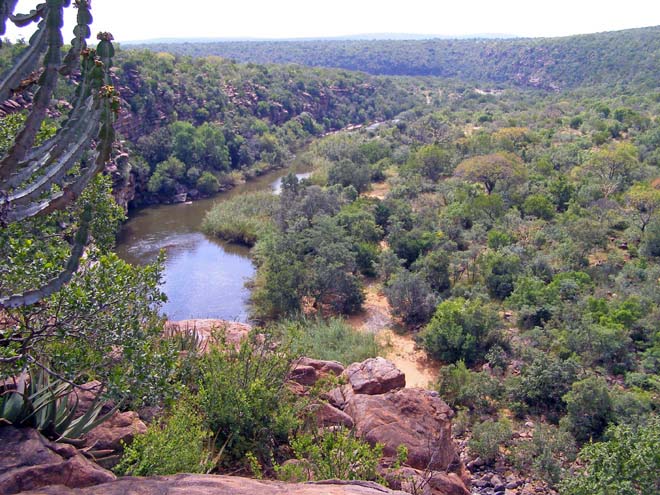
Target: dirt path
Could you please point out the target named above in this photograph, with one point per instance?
(401, 350)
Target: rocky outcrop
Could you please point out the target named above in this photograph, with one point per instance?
(190, 484)
(374, 376)
(29, 461)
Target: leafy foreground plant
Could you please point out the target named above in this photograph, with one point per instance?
(179, 444)
(243, 394)
(627, 463)
(48, 405)
(332, 454)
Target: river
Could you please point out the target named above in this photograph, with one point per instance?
(203, 277)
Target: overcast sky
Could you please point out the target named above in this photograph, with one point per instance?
(131, 20)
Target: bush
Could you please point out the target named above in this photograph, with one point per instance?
(243, 395)
(627, 463)
(651, 241)
(461, 330)
(543, 384)
(410, 297)
(460, 387)
(546, 453)
(332, 454)
(346, 173)
(207, 183)
(500, 270)
(487, 437)
(179, 444)
(589, 409)
(540, 206)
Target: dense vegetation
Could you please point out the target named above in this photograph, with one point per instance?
(517, 232)
(203, 124)
(516, 235)
(551, 63)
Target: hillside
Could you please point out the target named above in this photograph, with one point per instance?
(550, 63)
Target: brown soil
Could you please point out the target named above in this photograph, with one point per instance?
(378, 190)
(401, 349)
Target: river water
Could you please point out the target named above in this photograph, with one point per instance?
(203, 277)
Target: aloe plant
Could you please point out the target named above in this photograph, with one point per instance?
(49, 405)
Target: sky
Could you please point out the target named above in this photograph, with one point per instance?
(131, 20)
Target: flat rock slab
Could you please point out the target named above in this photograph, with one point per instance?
(192, 484)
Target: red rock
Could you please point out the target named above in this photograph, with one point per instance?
(413, 417)
(327, 415)
(324, 367)
(304, 375)
(426, 482)
(200, 484)
(29, 461)
(234, 332)
(120, 427)
(374, 376)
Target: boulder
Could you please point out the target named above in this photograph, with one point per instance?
(119, 428)
(200, 484)
(327, 415)
(374, 376)
(307, 371)
(413, 417)
(426, 482)
(303, 375)
(323, 367)
(29, 461)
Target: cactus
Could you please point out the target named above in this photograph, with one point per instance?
(28, 174)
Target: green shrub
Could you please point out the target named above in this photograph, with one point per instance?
(241, 219)
(332, 454)
(589, 408)
(546, 453)
(410, 297)
(179, 444)
(487, 437)
(461, 387)
(461, 330)
(627, 463)
(207, 183)
(543, 383)
(540, 206)
(243, 395)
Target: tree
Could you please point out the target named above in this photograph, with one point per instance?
(614, 168)
(491, 169)
(589, 408)
(644, 199)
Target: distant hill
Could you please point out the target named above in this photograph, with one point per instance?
(629, 56)
(352, 37)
